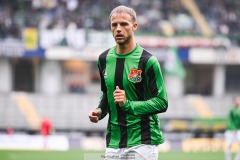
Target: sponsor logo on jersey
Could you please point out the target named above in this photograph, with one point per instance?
(135, 75)
(104, 73)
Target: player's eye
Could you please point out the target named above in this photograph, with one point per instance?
(124, 24)
(114, 24)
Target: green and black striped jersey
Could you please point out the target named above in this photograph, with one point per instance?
(139, 74)
(233, 119)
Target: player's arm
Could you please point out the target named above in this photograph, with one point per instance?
(159, 102)
(103, 104)
(101, 111)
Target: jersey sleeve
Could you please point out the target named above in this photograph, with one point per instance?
(103, 104)
(158, 101)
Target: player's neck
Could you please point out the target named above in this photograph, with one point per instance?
(126, 48)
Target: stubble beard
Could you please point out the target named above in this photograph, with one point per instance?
(125, 41)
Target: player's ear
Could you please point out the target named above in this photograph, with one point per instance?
(135, 25)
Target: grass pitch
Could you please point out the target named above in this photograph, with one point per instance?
(94, 155)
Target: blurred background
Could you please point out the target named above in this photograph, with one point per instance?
(48, 69)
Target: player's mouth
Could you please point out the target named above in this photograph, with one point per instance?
(118, 36)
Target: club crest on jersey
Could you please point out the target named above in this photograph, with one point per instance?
(135, 75)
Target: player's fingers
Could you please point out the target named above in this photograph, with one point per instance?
(119, 99)
(94, 113)
(118, 90)
(94, 119)
(91, 113)
(119, 93)
(97, 113)
(116, 95)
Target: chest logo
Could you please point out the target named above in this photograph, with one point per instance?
(135, 75)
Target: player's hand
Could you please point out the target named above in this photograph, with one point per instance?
(94, 115)
(119, 96)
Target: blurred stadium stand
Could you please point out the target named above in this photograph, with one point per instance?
(70, 112)
(49, 50)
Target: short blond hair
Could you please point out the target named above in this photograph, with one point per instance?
(124, 9)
